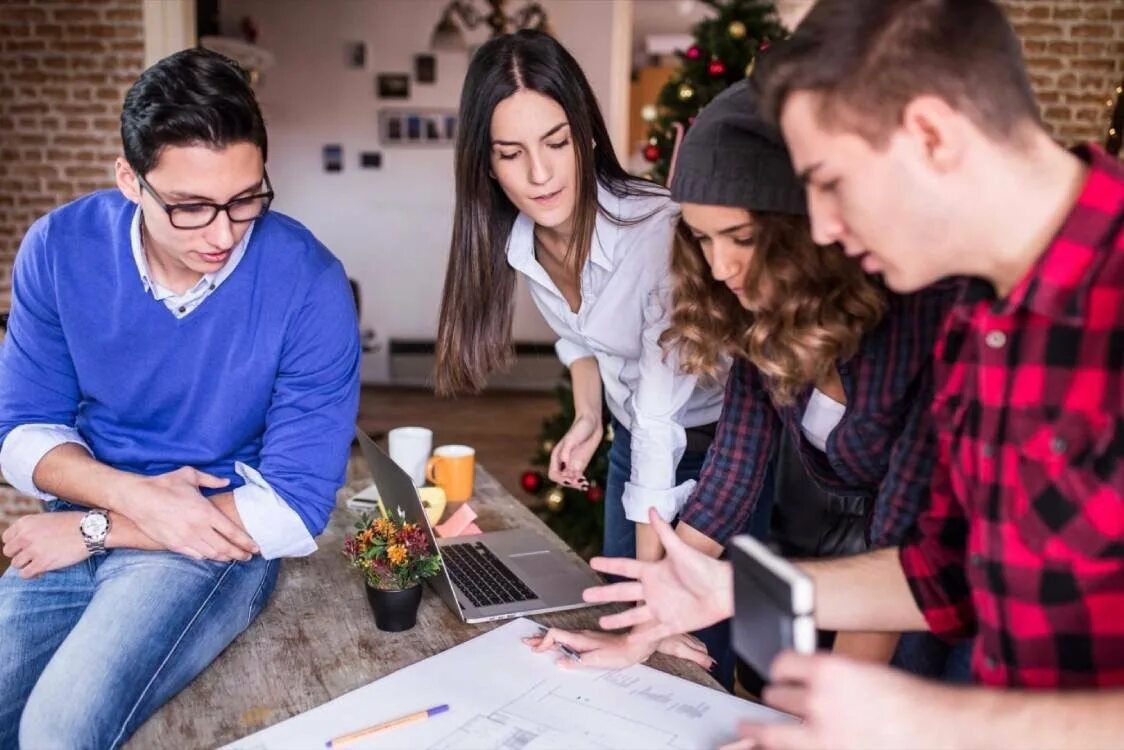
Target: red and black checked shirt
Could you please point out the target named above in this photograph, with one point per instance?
(881, 449)
(1023, 543)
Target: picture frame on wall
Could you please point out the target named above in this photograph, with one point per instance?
(392, 133)
(393, 85)
(355, 55)
(425, 68)
(332, 155)
(421, 127)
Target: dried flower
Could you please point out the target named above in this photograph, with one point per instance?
(384, 527)
(396, 553)
(392, 553)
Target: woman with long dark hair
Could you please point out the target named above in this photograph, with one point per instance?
(831, 373)
(540, 193)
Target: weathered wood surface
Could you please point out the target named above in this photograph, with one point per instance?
(317, 640)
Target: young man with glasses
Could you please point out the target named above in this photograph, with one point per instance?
(919, 139)
(179, 384)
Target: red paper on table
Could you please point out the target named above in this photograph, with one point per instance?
(459, 524)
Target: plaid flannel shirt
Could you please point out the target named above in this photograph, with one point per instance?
(1023, 543)
(882, 447)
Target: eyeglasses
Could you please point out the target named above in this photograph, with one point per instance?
(199, 215)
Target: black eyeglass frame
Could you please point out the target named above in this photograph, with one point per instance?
(266, 198)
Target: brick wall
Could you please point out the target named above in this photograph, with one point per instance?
(64, 69)
(1075, 54)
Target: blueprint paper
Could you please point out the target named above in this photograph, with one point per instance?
(503, 695)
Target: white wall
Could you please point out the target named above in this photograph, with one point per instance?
(391, 226)
(169, 26)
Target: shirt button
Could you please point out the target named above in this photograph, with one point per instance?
(987, 450)
(995, 339)
(976, 560)
(212, 286)
(183, 309)
(991, 662)
(1057, 445)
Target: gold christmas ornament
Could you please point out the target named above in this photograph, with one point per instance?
(555, 499)
(648, 113)
(547, 446)
(737, 30)
(609, 434)
(749, 68)
(686, 92)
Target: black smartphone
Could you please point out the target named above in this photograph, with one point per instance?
(773, 605)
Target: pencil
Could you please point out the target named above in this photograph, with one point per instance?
(402, 721)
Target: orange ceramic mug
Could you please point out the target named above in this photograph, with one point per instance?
(452, 468)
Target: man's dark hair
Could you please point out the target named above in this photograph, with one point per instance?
(192, 97)
(869, 58)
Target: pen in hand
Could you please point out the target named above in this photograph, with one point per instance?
(566, 650)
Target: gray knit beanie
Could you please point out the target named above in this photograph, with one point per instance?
(732, 157)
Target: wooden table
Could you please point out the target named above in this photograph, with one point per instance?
(317, 640)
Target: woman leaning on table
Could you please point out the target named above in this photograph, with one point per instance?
(539, 193)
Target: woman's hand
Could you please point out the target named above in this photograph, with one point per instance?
(602, 650)
(573, 452)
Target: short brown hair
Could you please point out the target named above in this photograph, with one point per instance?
(869, 58)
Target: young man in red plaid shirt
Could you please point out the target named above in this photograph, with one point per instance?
(913, 125)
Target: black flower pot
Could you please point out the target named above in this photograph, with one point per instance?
(395, 610)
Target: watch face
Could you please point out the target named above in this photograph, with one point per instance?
(94, 526)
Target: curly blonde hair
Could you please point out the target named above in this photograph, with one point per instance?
(813, 309)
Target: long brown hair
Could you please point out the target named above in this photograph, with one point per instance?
(813, 304)
(474, 329)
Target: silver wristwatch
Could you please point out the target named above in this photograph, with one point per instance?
(95, 528)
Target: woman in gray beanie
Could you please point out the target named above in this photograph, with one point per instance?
(831, 373)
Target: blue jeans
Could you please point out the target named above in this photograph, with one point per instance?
(926, 655)
(89, 652)
(620, 533)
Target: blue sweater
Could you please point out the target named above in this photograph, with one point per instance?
(265, 371)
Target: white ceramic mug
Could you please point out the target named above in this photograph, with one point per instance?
(410, 448)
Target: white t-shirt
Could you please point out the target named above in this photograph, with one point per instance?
(820, 418)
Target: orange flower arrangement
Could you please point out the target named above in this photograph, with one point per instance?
(392, 553)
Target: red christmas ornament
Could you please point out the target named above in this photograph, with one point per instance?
(763, 46)
(652, 152)
(717, 68)
(531, 481)
(595, 494)
(249, 30)
(694, 53)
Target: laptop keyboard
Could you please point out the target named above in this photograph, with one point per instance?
(482, 576)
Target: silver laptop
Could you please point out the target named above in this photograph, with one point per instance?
(489, 576)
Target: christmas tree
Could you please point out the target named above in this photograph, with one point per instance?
(724, 52)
